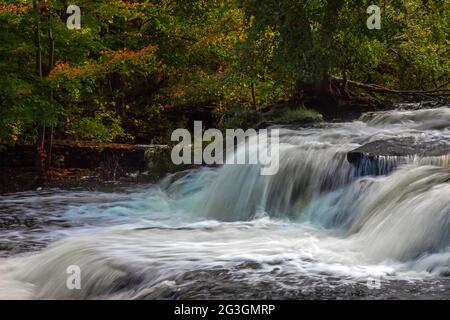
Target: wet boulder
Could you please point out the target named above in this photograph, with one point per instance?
(383, 156)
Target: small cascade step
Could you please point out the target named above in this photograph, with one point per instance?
(383, 156)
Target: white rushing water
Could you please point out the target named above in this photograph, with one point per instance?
(316, 224)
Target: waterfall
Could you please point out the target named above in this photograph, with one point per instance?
(427, 119)
(321, 214)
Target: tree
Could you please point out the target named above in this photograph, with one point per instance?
(320, 40)
(131, 63)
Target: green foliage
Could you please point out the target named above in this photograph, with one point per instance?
(301, 115)
(320, 37)
(102, 127)
(136, 66)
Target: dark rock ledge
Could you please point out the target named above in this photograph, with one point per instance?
(381, 157)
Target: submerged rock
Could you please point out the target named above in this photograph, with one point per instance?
(403, 147)
(381, 157)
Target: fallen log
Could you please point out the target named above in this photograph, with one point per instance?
(438, 93)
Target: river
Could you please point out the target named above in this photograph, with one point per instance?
(319, 229)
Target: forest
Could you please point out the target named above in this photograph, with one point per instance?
(229, 150)
(133, 71)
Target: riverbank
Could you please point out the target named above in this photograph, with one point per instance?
(94, 167)
(314, 230)
(89, 167)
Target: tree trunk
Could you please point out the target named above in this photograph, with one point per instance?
(49, 150)
(51, 40)
(41, 154)
(40, 143)
(51, 64)
(325, 93)
(325, 86)
(344, 88)
(298, 100)
(254, 97)
(406, 11)
(37, 40)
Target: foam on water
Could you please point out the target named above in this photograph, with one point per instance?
(315, 219)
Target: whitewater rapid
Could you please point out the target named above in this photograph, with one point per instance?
(317, 226)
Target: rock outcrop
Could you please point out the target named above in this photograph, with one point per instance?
(381, 157)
